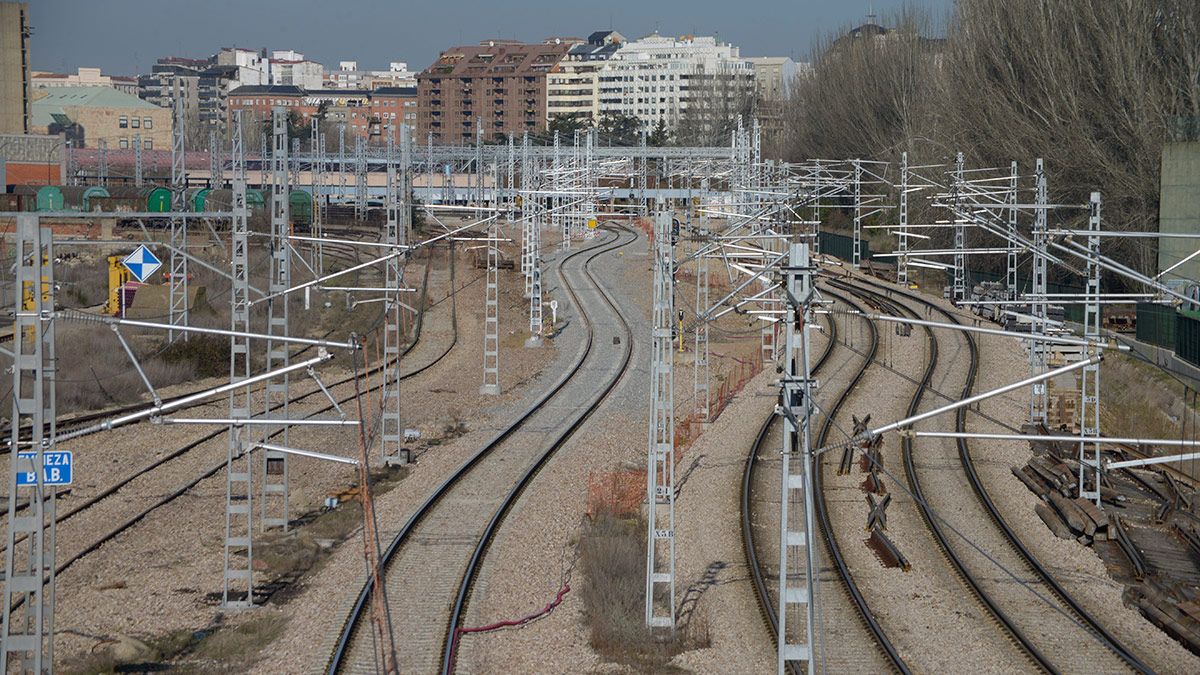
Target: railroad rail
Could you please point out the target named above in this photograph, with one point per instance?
(444, 493)
(1020, 637)
(174, 494)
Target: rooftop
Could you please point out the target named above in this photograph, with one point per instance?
(394, 91)
(497, 59)
(57, 99)
(277, 89)
(93, 97)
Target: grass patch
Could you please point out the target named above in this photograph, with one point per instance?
(315, 535)
(612, 554)
(235, 647)
(1138, 399)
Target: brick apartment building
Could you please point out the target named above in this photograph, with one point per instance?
(501, 84)
(365, 113)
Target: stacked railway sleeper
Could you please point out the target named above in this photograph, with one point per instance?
(1052, 630)
(1147, 534)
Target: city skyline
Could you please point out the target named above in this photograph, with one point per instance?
(363, 31)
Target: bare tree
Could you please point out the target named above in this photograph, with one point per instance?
(1093, 87)
(714, 102)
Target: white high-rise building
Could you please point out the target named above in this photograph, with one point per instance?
(348, 76)
(290, 67)
(660, 78)
(251, 66)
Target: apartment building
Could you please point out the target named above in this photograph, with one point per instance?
(364, 113)
(289, 67)
(84, 77)
(88, 115)
(348, 76)
(657, 78)
(573, 86)
(500, 85)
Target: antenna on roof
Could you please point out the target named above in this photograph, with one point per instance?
(871, 16)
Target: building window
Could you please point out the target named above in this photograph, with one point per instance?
(147, 123)
(124, 143)
(147, 144)
(135, 123)
(123, 122)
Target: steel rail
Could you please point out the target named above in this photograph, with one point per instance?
(758, 576)
(981, 492)
(510, 500)
(843, 569)
(180, 491)
(352, 620)
(1010, 628)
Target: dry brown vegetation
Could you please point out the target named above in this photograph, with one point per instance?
(93, 371)
(612, 554)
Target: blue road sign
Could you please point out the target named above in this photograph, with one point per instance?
(58, 468)
(142, 263)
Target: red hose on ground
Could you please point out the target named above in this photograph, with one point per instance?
(509, 623)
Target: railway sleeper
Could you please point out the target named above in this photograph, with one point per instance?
(1032, 481)
(1166, 614)
(1136, 560)
(1190, 538)
(877, 516)
(1052, 520)
(886, 551)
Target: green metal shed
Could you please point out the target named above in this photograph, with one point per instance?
(300, 203)
(200, 199)
(50, 198)
(158, 200)
(92, 193)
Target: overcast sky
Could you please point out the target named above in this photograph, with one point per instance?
(124, 37)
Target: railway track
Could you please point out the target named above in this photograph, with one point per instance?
(434, 559)
(1041, 634)
(1038, 634)
(759, 572)
(172, 495)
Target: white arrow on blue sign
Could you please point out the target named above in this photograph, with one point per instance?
(57, 467)
(142, 263)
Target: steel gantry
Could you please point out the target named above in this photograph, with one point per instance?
(491, 314)
(137, 160)
(275, 464)
(27, 633)
(395, 234)
(960, 231)
(660, 462)
(360, 178)
(178, 281)
(1039, 308)
(902, 232)
(317, 180)
(238, 585)
(1010, 272)
(797, 533)
(858, 217)
(1089, 389)
(102, 164)
(701, 377)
